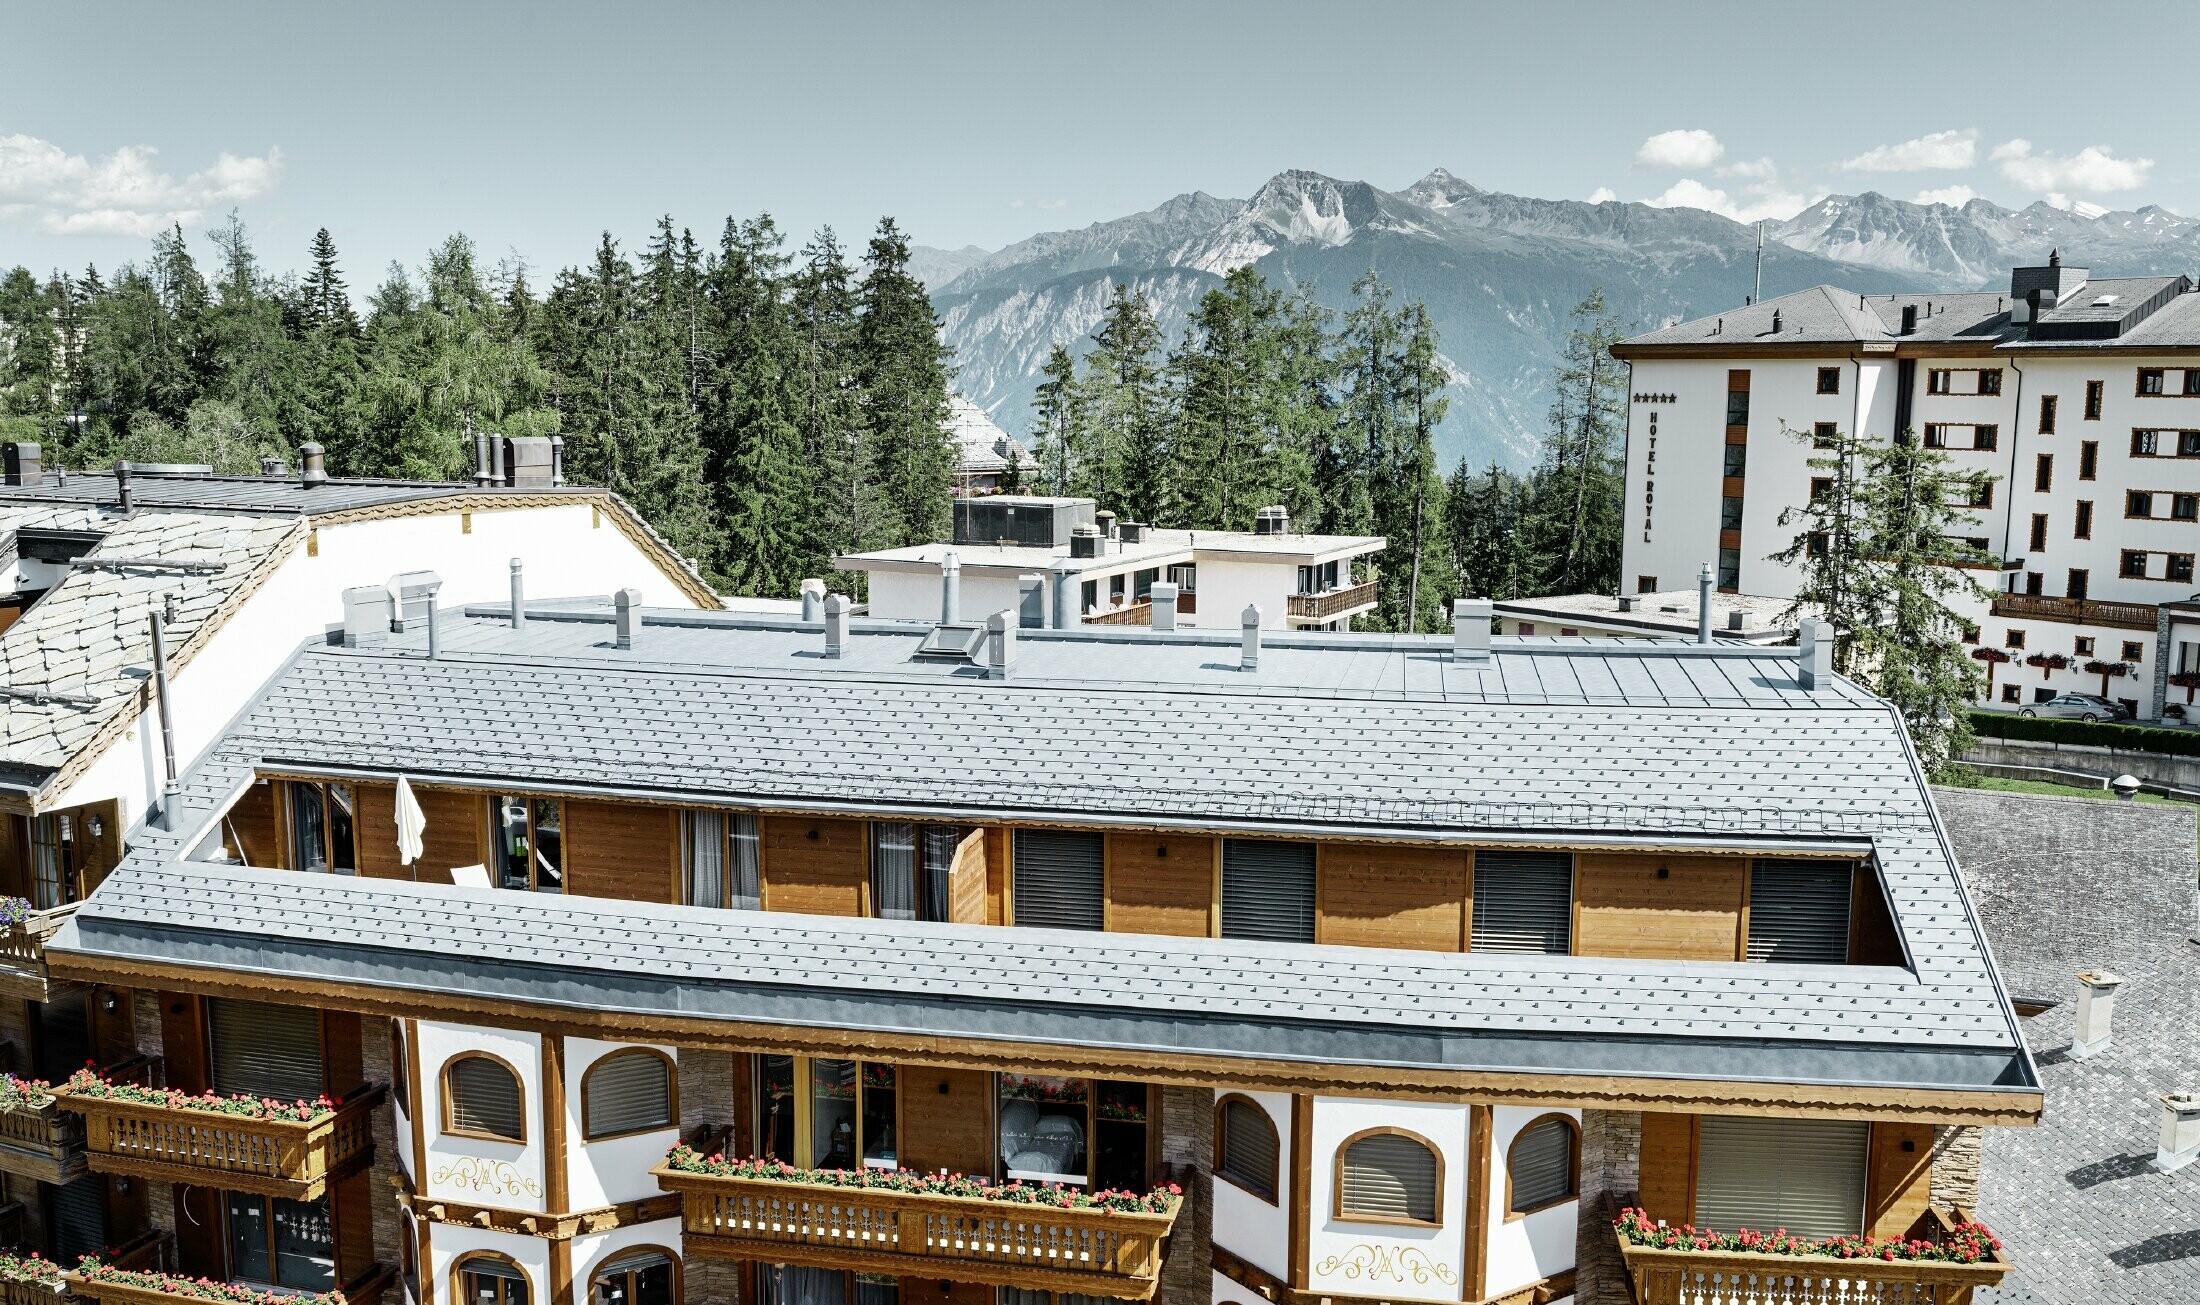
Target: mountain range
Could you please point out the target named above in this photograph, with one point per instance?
(1500, 274)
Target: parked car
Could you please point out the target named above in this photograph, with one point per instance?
(2077, 706)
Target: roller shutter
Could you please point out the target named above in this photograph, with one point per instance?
(1523, 902)
(484, 1098)
(1060, 879)
(1267, 890)
(1249, 1148)
(1541, 1165)
(1804, 1175)
(1799, 911)
(265, 1051)
(77, 1213)
(1389, 1176)
(628, 1092)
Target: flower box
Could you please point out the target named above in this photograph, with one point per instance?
(38, 1139)
(244, 1144)
(1680, 1266)
(114, 1284)
(24, 931)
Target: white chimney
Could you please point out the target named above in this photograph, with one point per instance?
(2096, 1007)
(627, 607)
(836, 625)
(519, 597)
(1063, 577)
(1031, 600)
(1000, 644)
(1704, 582)
(367, 616)
(813, 600)
(951, 576)
(2180, 1141)
(1249, 639)
(1470, 629)
(1814, 653)
(1163, 599)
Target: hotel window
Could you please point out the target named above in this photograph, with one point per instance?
(1829, 380)
(1543, 1165)
(1799, 911)
(1937, 381)
(281, 1243)
(2047, 414)
(2192, 381)
(2043, 473)
(1247, 1148)
(400, 1089)
(1737, 407)
(2082, 646)
(1936, 435)
(720, 863)
(2138, 503)
(1804, 1175)
(1267, 890)
(1820, 486)
(642, 1277)
(323, 821)
(1523, 903)
(489, 1280)
(2039, 532)
(2093, 393)
(2177, 566)
(1059, 879)
(1981, 492)
(794, 1284)
(912, 870)
(1989, 381)
(627, 1092)
(481, 1098)
(53, 858)
(1646, 584)
(826, 1114)
(2076, 585)
(1075, 1131)
(527, 842)
(2132, 565)
(1820, 544)
(2134, 650)
(1730, 512)
(2082, 523)
(1389, 1175)
(1986, 438)
(2144, 443)
(1825, 435)
(2150, 380)
(2089, 459)
(2009, 693)
(1736, 460)
(2188, 658)
(1730, 568)
(1088, 596)
(264, 1050)
(2188, 444)
(1142, 583)
(2015, 639)
(2184, 507)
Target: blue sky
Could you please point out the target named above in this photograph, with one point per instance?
(533, 127)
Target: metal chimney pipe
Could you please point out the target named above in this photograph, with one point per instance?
(312, 466)
(171, 791)
(1704, 582)
(627, 606)
(836, 625)
(813, 600)
(950, 587)
(519, 597)
(482, 474)
(122, 486)
(1249, 638)
(1064, 579)
(557, 460)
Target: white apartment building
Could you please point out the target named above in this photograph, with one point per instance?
(2080, 397)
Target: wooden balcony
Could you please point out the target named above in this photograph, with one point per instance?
(269, 1157)
(42, 1142)
(2076, 611)
(950, 1238)
(1132, 614)
(1661, 1277)
(1335, 603)
(23, 953)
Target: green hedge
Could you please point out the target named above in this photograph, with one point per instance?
(2099, 734)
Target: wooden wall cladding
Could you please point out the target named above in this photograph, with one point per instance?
(1626, 909)
(816, 866)
(252, 828)
(622, 850)
(1898, 1181)
(966, 880)
(15, 854)
(946, 1118)
(454, 834)
(1872, 936)
(1161, 883)
(998, 847)
(1376, 896)
(374, 831)
(1667, 1179)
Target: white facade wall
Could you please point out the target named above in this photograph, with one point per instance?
(450, 1243)
(1534, 1246)
(1394, 1261)
(615, 1169)
(1246, 1225)
(478, 1170)
(592, 1251)
(565, 550)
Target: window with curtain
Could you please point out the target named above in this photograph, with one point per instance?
(720, 851)
(51, 883)
(893, 870)
(288, 1244)
(1247, 1148)
(323, 828)
(643, 1277)
(482, 1097)
(784, 1284)
(1543, 1165)
(1388, 1176)
(626, 1092)
(527, 842)
(485, 1280)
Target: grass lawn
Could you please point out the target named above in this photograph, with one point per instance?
(1999, 784)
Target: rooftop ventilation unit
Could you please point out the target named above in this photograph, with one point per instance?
(1272, 520)
(960, 641)
(1085, 541)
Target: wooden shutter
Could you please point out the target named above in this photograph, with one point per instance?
(627, 1092)
(1540, 1165)
(1523, 902)
(1060, 879)
(1267, 890)
(484, 1097)
(966, 880)
(1249, 1148)
(1804, 1175)
(1799, 911)
(265, 1051)
(1387, 1175)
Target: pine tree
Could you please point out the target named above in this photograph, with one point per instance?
(1123, 406)
(752, 407)
(1055, 434)
(844, 506)
(1574, 513)
(902, 373)
(1421, 379)
(1482, 528)
(327, 300)
(1370, 358)
(1252, 370)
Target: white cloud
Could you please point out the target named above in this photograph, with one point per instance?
(1603, 195)
(1763, 203)
(122, 193)
(1680, 150)
(1928, 153)
(1953, 196)
(2092, 170)
(1050, 204)
(1751, 170)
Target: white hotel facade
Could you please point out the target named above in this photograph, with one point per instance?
(2080, 397)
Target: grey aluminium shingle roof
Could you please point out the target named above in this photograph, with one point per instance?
(1564, 741)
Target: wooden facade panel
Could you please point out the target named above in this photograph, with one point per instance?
(1160, 883)
(183, 1049)
(374, 830)
(101, 852)
(1660, 907)
(453, 834)
(966, 880)
(15, 855)
(1398, 896)
(623, 850)
(998, 843)
(1872, 936)
(351, 1207)
(1898, 1182)
(816, 866)
(252, 829)
(343, 1051)
(1667, 1181)
(946, 1119)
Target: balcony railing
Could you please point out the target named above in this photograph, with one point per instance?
(267, 1157)
(1133, 614)
(2081, 611)
(1335, 603)
(1690, 1277)
(23, 952)
(951, 1238)
(42, 1142)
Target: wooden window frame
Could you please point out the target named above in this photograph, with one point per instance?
(267, 1204)
(604, 1261)
(2089, 460)
(1573, 1190)
(1275, 1181)
(492, 862)
(2095, 393)
(2043, 473)
(2134, 650)
(2161, 380)
(287, 820)
(1825, 435)
(2081, 524)
(672, 1093)
(443, 1090)
(400, 1081)
(2172, 563)
(2124, 569)
(2049, 403)
(1336, 1184)
(2038, 542)
(2131, 505)
(2081, 645)
(458, 1276)
(1826, 374)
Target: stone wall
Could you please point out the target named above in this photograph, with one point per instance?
(706, 1102)
(377, 1067)
(1187, 1158)
(1611, 1164)
(1956, 1152)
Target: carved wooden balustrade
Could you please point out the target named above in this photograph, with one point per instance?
(1690, 1277)
(270, 1157)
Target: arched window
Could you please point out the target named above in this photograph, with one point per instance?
(1543, 1165)
(1387, 1175)
(481, 1098)
(1246, 1146)
(486, 1278)
(644, 1275)
(627, 1092)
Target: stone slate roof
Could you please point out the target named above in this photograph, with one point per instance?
(1832, 316)
(2070, 884)
(258, 494)
(1616, 741)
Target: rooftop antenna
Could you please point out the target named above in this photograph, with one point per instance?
(1758, 294)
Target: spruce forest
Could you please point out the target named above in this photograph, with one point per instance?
(767, 407)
